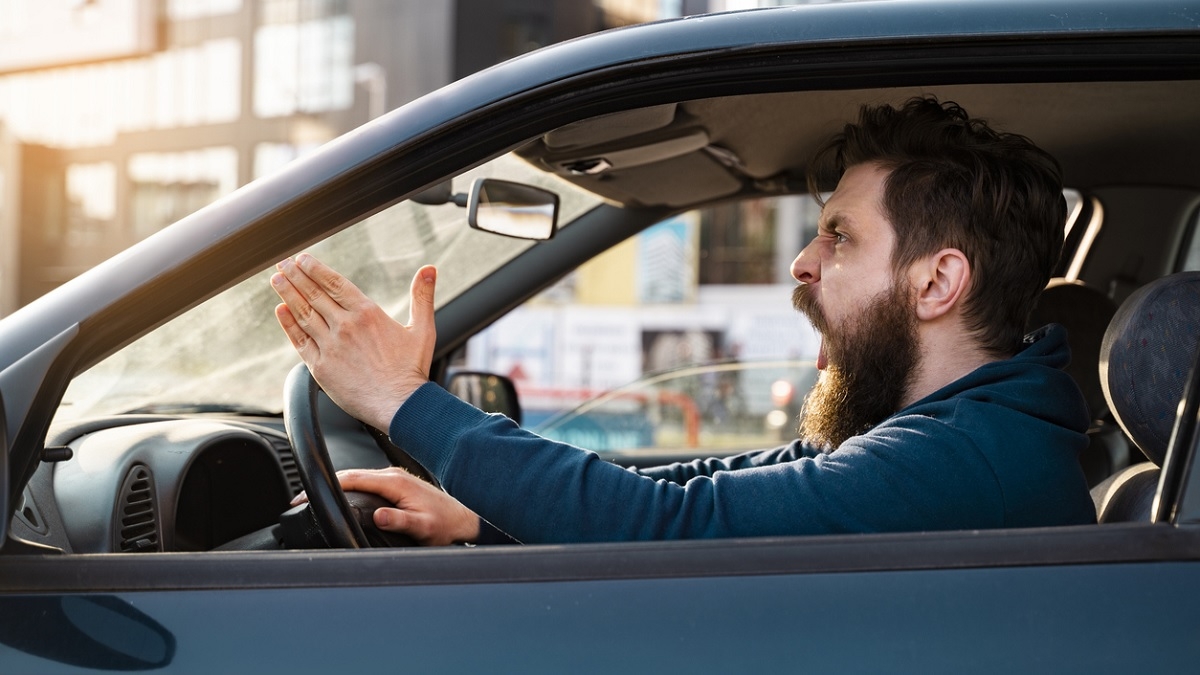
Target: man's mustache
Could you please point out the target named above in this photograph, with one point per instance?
(806, 303)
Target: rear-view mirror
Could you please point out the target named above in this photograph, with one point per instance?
(512, 209)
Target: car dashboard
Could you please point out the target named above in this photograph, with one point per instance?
(147, 483)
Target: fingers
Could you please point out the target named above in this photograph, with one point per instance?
(382, 482)
(301, 314)
(419, 525)
(395, 520)
(316, 295)
(388, 483)
(420, 308)
(324, 284)
(299, 339)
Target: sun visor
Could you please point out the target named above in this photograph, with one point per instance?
(675, 182)
(611, 127)
(625, 154)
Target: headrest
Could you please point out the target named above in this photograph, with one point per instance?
(1146, 357)
(1085, 312)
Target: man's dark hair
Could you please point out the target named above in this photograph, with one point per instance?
(955, 182)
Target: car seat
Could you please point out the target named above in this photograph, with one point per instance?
(1086, 312)
(1146, 359)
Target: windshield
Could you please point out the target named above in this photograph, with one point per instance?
(230, 353)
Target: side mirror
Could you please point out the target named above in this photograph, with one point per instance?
(487, 391)
(512, 209)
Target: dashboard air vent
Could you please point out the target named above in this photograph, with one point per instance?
(137, 513)
(283, 450)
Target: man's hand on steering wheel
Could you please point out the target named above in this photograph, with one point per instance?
(423, 512)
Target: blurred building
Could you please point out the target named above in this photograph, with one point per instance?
(118, 117)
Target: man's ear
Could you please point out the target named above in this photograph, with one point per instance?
(941, 281)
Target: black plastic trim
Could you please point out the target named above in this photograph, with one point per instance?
(1082, 545)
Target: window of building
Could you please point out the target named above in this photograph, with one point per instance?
(92, 202)
(193, 9)
(303, 59)
(168, 186)
(86, 106)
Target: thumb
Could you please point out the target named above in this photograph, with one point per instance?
(391, 520)
(420, 307)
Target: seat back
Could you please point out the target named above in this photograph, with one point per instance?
(1145, 360)
(1086, 312)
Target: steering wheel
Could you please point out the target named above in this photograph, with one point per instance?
(344, 523)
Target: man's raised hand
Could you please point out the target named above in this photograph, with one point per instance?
(366, 361)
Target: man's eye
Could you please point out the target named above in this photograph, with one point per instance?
(839, 238)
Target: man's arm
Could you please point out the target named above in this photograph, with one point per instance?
(916, 476)
(682, 472)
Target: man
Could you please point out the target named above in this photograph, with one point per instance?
(931, 412)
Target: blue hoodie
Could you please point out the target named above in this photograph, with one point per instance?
(996, 448)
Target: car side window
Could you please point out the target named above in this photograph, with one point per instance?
(619, 356)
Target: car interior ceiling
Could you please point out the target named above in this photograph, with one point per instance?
(1103, 133)
(1118, 141)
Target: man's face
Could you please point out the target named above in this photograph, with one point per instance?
(862, 309)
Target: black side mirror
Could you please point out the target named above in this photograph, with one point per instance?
(487, 391)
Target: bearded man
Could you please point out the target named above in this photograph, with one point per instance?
(933, 410)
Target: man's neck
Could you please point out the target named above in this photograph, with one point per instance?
(945, 357)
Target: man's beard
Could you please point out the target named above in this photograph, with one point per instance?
(870, 365)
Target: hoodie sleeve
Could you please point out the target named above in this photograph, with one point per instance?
(682, 472)
(540, 491)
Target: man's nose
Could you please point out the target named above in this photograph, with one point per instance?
(806, 268)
